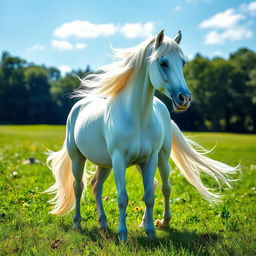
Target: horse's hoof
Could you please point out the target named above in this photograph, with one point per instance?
(122, 236)
(104, 227)
(77, 226)
(103, 224)
(151, 235)
(162, 223)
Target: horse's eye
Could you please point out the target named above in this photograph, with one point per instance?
(164, 64)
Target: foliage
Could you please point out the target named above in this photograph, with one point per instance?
(34, 94)
(197, 228)
(223, 93)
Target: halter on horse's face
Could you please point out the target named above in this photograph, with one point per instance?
(166, 74)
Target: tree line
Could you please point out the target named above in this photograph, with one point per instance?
(223, 91)
(33, 94)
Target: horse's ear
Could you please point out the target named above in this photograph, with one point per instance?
(159, 39)
(178, 37)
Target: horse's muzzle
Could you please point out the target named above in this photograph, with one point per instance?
(180, 108)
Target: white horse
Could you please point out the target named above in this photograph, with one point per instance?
(119, 123)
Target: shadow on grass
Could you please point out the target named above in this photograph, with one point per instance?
(95, 234)
(175, 239)
(193, 242)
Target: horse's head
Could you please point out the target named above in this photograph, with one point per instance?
(165, 70)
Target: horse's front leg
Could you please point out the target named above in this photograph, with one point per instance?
(144, 218)
(97, 186)
(119, 168)
(148, 173)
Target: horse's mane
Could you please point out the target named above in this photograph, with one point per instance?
(112, 78)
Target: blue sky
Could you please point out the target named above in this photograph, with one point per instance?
(72, 34)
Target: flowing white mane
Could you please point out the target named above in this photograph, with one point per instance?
(113, 77)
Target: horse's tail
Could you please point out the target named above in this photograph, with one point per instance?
(191, 163)
(60, 165)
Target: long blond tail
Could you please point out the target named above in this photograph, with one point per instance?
(60, 164)
(191, 163)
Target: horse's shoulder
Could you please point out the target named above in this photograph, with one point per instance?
(161, 108)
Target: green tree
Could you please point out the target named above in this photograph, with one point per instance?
(60, 91)
(13, 87)
(226, 86)
(39, 102)
(223, 92)
(245, 60)
(54, 74)
(197, 76)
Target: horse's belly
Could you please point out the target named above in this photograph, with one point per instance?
(93, 146)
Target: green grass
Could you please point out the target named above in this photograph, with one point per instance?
(197, 228)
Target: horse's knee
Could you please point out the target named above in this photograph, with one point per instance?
(149, 198)
(166, 189)
(122, 200)
(96, 191)
(78, 188)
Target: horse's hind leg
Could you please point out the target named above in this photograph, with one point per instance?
(144, 218)
(78, 161)
(164, 169)
(97, 187)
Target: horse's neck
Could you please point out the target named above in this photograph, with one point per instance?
(137, 96)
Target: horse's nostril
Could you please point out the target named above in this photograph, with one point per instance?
(181, 97)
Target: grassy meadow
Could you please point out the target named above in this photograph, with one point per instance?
(197, 228)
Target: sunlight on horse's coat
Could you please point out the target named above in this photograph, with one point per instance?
(119, 123)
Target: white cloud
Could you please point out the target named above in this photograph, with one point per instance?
(231, 34)
(80, 46)
(197, 1)
(249, 7)
(190, 56)
(132, 30)
(230, 25)
(64, 69)
(36, 47)
(62, 45)
(224, 19)
(84, 29)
